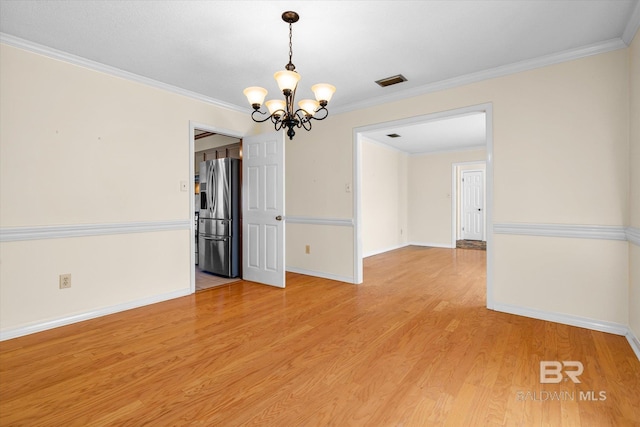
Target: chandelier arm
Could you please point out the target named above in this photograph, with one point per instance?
(258, 119)
(302, 115)
(321, 109)
(305, 124)
(291, 101)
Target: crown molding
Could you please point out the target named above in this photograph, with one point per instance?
(113, 71)
(632, 25)
(543, 61)
(516, 67)
(441, 150)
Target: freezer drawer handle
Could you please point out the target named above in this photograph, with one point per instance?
(214, 238)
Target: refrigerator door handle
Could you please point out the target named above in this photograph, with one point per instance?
(216, 239)
(212, 193)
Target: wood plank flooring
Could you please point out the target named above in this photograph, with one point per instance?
(412, 346)
(206, 280)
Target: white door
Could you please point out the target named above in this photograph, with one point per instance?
(472, 205)
(263, 209)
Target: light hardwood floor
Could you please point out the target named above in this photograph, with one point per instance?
(206, 280)
(412, 346)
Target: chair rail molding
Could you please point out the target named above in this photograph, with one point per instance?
(343, 222)
(13, 234)
(633, 235)
(604, 232)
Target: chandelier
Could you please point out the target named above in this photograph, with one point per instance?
(281, 112)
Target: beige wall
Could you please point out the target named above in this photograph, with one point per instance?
(634, 162)
(577, 277)
(78, 142)
(325, 259)
(430, 216)
(384, 198)
(82, 147)
(560, 156)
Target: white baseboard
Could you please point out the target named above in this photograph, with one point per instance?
(566, 319)
(434, 245)
(321, 274)
(581, 322)
(634, 342)
(381, 251)
(68, 320)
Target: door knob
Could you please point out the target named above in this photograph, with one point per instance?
(479, 209)
(279, 218)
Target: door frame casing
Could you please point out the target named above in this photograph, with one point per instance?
(456, 208)
(486, 108)
(192, 211)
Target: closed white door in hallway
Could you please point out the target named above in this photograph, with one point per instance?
(473, 205)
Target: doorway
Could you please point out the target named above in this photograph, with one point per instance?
(361, 133)
(472, 205)
(468, 205)
(206, 143)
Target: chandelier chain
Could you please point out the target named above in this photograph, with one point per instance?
(290, 42)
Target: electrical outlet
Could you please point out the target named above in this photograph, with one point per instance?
(65, 281)
(307, 249)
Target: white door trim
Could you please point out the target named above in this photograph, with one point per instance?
(455, 208)
(486, 108)
(192, 211)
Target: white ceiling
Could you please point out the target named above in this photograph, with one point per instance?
(462, 132)
(217, 48)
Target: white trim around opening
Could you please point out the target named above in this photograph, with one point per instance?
(192, 211)
(486, 108)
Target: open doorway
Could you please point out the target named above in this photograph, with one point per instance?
(484, 113)
(213, 251)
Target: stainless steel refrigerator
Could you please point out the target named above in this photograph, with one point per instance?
(219, 217)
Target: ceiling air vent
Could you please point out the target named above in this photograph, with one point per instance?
(393, 135)
(393, 80)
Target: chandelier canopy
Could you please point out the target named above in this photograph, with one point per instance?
(281, 111)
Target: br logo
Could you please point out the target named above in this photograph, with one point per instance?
(552, 371)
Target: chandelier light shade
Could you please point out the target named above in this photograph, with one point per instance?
(281, 111)
(255, 95)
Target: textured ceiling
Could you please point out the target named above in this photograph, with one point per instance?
(217, 48)
(462, 132)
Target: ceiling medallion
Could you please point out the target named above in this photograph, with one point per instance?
(281, 112)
